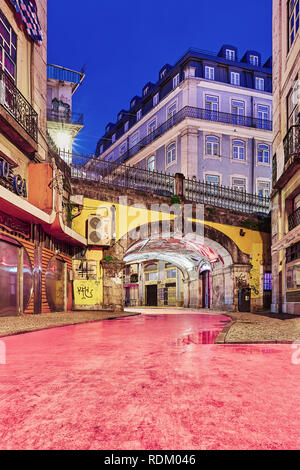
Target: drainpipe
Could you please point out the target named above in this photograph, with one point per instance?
(253, 165)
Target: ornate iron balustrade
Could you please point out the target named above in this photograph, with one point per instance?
(294, 219)
(195, 113)
(227, 198)
(17, 105)
(93, 169)
(64, 116)
(291, 142)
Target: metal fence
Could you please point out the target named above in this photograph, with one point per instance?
(17, 105)
(99, 171)
(64, 116)
(195, 113)
(294, 219)
(291, 142)
(227, 198)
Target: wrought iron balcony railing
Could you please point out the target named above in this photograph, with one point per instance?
(291, 142)
(294, 219)
(16, 104)
(64, 116)
(196, 113)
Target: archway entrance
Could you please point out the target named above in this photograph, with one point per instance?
(205, 283)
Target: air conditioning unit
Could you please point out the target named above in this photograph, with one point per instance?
(99, 230)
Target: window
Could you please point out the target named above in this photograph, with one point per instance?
(133, 103)
(263, 188)
(171, 273)
(263, 154)
(293, 20)
(163, 73)
(126, 126)
(239, 184)
(238, 150)
(110, 157)
(152, 126)
(123, 149)
(238, 111)
(209, 73)
(120, 115)
(263, 117)
(139, 115)
(235, 78)
(172, 110)
(151, 163)
(8, 47)
(254, 60)
(212, 146)
(268, 281)
(212, 107)
(101, 148)
(259, 83)
(230, 54)
(176, 81)
(292, 105)
(212, 179)
(156, 99)
(134, 139)
(146, 90)
(171, 153)
(113, 139)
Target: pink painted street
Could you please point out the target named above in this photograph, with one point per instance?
(154, 381)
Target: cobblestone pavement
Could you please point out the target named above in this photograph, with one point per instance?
(245, 327)
(26, 323)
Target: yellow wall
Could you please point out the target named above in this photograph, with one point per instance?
(127, 218)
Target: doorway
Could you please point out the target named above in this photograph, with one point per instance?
(206, 291)
(151, 295)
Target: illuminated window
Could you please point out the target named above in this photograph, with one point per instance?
(8, 47)
(268, 281)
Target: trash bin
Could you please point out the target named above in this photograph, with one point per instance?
(245, 299)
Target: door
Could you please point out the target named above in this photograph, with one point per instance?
(206, 289)
(55, 285)
(151, 292)
(14, 277)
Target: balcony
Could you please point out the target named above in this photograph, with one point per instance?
(201, 114)
(64, 117)
(12, 100)
(291, 143)
(62, 74)
(294, 219)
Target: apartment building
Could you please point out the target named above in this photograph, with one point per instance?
(286, 167)
(209, 117)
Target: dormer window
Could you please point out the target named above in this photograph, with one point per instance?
(139, 115)
(254, 60)
(156, 99)
(176, 80)
(120, 116)
(101, 148)
(230, 54)
(163, 73)
(113, 139)
(133, 103)
(126, 126)
(259, 83)
(209, 73)
(235, 78)
(146, 90)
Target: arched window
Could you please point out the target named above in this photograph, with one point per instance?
(151, 163)
(212, 146)
(263, 154)
(238, 150)
(171, 153)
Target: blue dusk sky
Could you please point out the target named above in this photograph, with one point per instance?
(124, 45)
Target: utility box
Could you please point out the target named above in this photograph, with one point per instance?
(245, 299)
